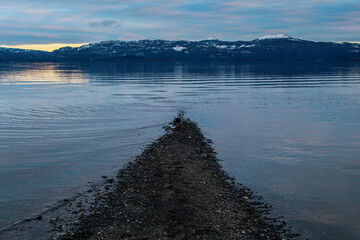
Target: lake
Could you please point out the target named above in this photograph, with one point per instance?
(289, 131)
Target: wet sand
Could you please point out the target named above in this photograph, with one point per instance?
(176, 189)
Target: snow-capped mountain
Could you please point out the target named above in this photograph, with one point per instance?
(269, 47)
(275, 36)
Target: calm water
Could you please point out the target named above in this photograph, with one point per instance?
(289, 131)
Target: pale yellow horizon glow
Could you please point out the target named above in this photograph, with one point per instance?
(349, 42)
(44, 47)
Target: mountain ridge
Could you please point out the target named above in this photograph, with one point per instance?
(278, 47)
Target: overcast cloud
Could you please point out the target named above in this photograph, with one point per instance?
(105, 24)
(43, 21)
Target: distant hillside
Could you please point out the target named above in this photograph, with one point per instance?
(278, 47)
(15, 54)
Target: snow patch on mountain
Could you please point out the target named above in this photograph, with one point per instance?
(247, 46)
(179, 48)
(231, 47)
(221, 46)
(275, 36)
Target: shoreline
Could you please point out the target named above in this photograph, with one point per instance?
(176, 189)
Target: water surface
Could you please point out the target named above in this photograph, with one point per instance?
(289, 131)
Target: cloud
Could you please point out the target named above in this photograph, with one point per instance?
(105, 24)
(42, 21)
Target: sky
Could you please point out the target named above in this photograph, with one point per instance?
(43, 22)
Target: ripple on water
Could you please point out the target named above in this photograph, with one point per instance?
(291, 131)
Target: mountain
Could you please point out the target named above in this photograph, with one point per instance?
(15, 54)
(277, 47)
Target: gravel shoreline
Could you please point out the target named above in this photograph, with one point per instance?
(176, 189)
